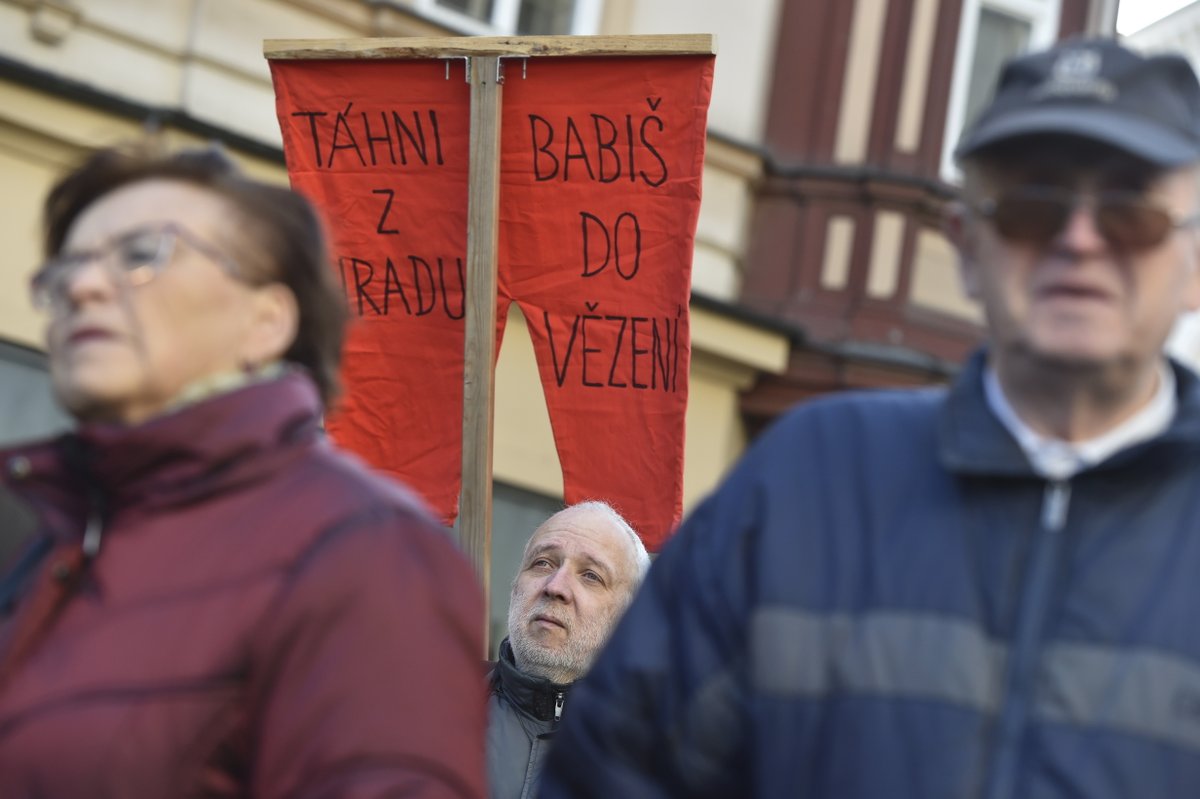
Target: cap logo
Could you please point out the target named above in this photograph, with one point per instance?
(1077, 65)
(1076, 73)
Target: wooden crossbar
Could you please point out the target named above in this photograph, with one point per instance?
(455, 46)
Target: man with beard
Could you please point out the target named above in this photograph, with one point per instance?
(579, 571)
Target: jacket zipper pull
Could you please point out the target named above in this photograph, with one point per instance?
(1055, 504)
(92, 536)
(95, 526)
(558, 705)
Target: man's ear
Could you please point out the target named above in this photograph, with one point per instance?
(959, 229)
(276, 320)
(1191, 289)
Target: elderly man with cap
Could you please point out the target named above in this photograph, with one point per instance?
(578, 572)
(990, 590)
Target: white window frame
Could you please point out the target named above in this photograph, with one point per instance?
(1043, 16)
(505, 14)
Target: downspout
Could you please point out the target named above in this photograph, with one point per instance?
(189, 53)
(1102, 18)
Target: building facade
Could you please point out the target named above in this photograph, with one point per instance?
(1179, 32)
(819, 261)
(867, 102)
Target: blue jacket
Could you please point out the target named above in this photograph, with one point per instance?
(883, 600)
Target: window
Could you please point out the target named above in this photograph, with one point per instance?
(519, 17)
(479, 9)
(30, 411)
(545, 16)
(991, 32)
(999, 38)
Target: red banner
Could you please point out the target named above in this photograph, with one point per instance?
(600, 192)
(381, 147)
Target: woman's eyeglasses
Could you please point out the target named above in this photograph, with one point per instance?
(1036, 215)
(138, 256)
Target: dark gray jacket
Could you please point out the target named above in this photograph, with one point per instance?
(523, 713)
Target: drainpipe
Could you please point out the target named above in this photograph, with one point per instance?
(1102, 18)
(189, 54)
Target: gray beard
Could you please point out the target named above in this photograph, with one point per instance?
(562, 665)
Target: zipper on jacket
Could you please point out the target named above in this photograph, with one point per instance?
(94, 531)
(1024, 652)
(1054, 506)
(92, 535)
(559, 698)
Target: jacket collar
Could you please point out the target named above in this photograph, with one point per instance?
(199, 440)
(534, 696)
(172, 459)
(971, 440)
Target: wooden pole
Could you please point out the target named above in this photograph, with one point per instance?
(483, 225)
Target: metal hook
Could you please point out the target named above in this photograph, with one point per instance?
(466, 66)
(500, 62)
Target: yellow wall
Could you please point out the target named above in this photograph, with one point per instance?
(41, 136)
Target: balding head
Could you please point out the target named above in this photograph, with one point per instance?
(579, 571)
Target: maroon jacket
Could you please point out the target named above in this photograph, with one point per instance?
(264, 618)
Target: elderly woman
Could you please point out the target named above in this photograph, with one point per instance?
(220, 603)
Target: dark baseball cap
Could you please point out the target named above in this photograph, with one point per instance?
(1096, 89)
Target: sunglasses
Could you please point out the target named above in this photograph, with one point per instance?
(1036, 215)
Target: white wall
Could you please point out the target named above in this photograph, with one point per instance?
(1179, 32)
(746, 34)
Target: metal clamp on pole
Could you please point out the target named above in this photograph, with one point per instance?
(500, 66)
(466, 66)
